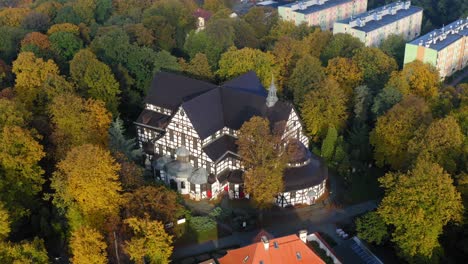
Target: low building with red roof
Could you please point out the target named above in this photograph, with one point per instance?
(288, 249)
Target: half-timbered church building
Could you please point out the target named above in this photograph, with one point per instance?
(188, 130)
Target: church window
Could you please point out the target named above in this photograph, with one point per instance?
(182, 185)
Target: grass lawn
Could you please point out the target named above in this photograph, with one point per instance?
(192, 237)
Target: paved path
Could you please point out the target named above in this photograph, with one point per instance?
(322, 220)
(459, 78)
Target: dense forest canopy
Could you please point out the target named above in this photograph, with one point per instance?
(73, 75)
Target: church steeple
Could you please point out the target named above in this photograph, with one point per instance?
(272, 98)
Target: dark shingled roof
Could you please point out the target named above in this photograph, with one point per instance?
(209, 107)
(169, 90)
(217, 148)
(248, 82)
(298, 178)
(206, 113)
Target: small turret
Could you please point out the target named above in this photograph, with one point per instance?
(272, 98)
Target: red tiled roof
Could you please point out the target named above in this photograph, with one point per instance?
(290, 249)
(202, 13)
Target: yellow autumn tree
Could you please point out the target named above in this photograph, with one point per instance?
(394, 130)
(264, 160)
(21, 176)
(235, 62)
(86, 185)
(149, 242)
(77, 121)
(418, 204)
(323, 108)
(4, 222)
(417, 78)
(88, 247)
(64, 27)
(13, 16)
(345, 72)
(31, 73)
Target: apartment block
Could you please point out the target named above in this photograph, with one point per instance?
(376, 25)
(321, 13)
(445, 48)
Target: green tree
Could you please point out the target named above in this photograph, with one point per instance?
(88, 247)
(362, 101)
(262, 20)
(222, 31)
(67, 14)
(375, 65)
(86, 186)
(328, 144)
(21, 176)
(394, 46)
(442, 142)
(394, 130)
(76, 121)
(118, 142)
(101, 84)
(307, 76)
(174, 18)
(140, 35)
(150, 241)
(324, 107)
(372, 228)
(103, 10)
(112, 47)
(141, 65)
(384, 100)
(165, 61)
(35, 21)
(418, 204)
(65, 44)
(201, 42)
(235, 62)
(317, 41)
(213, 5)
(11, 37)
(244, 35)
(340, 45)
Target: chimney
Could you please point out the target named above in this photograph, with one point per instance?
(265, 242)
(303, 235)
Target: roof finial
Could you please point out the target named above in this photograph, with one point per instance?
(272, 98)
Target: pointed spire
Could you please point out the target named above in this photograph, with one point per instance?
(272, 98)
